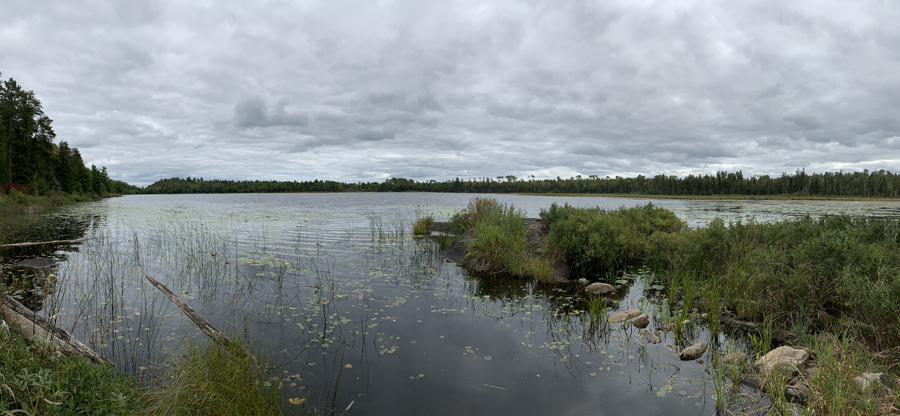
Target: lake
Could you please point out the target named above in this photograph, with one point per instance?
(350, 308)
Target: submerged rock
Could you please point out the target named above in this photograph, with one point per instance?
(693, 352)
(783, 361)
(600, 288)
(650, 336)
(641, 321)
(880, 382)
(623, 316)
(735, 359)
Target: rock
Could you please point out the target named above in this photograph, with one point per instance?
(583, 282)
(879, 382)
(693, 352)
(797, 391)
(682, 393)
(4, 329)
(623, 316)
(783, 361)
(736, 359)
(650, 336)
(793, 409)
(599, 288)
(641, 321)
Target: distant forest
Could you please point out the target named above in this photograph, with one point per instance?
(29, 159)
(878, 184)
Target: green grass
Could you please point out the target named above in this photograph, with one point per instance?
(211, 379)
(36, 381)
(499, 239)
(423, 225)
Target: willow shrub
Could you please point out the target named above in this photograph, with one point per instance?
(595, 241)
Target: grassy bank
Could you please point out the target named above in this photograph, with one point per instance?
(207, 379)
(37, 381)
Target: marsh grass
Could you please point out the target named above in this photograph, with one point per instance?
(499, 239)
(423, 225)
(212, 379)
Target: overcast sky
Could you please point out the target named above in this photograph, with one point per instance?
(366, 90)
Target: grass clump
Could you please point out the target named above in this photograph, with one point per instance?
(212, 379)
(34, 380)
(499, 240)
(423, 225)
(595, 241)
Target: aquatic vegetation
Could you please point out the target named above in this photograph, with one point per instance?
(423, 225)
(212, 379)
(499, 241)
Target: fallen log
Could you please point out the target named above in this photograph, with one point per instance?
(780, 337)
(37, 243)
(201, 323)
(31, 324)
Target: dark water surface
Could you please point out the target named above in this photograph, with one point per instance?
(350, 308)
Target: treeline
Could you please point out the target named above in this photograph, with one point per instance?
(877, 184)
(31, 162)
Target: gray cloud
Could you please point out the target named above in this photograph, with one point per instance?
(351, 90)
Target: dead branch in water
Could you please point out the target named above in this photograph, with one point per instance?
(201, 323)
(37, 243)
(31, 324)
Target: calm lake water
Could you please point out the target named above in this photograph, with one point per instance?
(350, 308)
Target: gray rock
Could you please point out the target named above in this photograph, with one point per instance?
(641, 321)
(735, 359)
(650, 336)
(693, 352)
(879, 382)
(623, 316)
(682, 393)
(599, 288)
(793, 409)
(783, 361)
(583, 282)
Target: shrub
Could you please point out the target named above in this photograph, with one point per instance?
(595, 241)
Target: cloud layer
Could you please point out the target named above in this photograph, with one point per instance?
(352, 90)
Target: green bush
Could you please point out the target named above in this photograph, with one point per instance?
(594, 241)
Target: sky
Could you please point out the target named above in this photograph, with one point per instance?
(367, 90)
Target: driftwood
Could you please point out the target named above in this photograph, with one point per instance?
(32, 324)
(201, 323)
(37, 243)
(780, 337)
